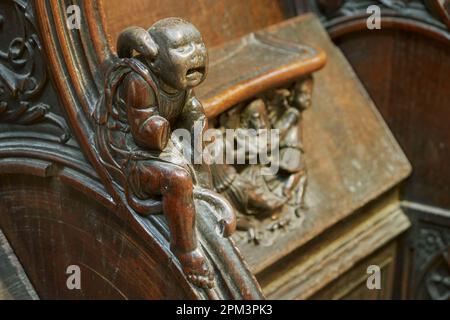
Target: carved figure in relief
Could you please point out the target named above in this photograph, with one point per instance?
(255, 193)
(147, 96)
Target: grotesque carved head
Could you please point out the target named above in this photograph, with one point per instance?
(182, 58)
(173, 48)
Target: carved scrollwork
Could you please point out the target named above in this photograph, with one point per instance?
(433, 259)
(422, 9)
(438, 279)
(23, 73)
(269, 197)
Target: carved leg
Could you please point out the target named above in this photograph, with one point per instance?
(299, 193)
(178, 206)
(175, 186)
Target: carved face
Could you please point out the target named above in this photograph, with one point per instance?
(182, 58)
(303, 94)
(254, 116)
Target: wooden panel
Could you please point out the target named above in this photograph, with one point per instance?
(52, 226)
(329, 256)
(351, 156)
(406, 73)
(353, 284)
(218, 21)
(405, 67)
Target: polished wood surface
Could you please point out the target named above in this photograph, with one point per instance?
(263, 62)
(219, 21)
(404, 66)
(49, 238)
(406, 73)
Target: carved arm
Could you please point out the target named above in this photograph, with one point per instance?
(149, 129)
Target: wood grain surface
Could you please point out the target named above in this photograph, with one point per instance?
(406, 73)
(218, 21)
(14, 283)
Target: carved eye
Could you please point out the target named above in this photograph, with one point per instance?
(182, 49)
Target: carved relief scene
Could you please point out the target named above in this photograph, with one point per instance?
(267, 192)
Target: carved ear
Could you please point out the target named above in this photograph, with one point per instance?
(138, 39)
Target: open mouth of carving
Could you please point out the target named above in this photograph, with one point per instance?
(193, 73)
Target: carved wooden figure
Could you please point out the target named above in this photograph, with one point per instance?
(146, 97)
(258, 192)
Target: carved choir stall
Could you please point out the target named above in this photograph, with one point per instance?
(103, 161)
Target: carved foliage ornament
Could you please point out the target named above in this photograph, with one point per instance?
(22, 72)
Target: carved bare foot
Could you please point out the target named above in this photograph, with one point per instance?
(196, 268)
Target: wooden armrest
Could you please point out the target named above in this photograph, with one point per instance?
(243, 68)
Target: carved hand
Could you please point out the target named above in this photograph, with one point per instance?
(154, 133)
